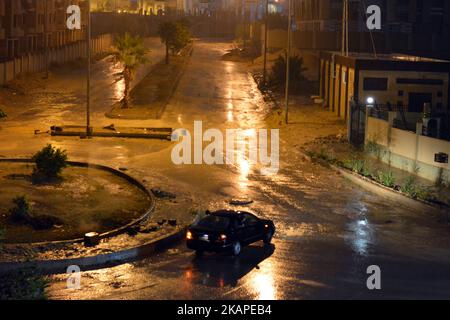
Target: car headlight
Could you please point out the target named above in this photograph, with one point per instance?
(223, 237)
(189, 235)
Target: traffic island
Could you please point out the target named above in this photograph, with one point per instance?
(149, 98)
(143, 236)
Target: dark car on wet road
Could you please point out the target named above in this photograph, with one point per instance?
(228, 231)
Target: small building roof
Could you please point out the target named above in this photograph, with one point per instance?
(393, 62)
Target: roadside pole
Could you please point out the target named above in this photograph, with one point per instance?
(46, 38)
(88, 75)
(266, 25)
(288, 56)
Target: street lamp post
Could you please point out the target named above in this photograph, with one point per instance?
(288, 56)
(46, 38)
(265, 42)
(88, 74)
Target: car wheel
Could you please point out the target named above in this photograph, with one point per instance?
(268, 238)
(236, 248)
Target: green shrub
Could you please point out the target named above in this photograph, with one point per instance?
(386, 178)
(357, 166)
(2, 114)
(424, 194)
(23, 285)
(323, 154)
(374, 148)
(49, 163)
(366, 171)
(297, 80)
(409, 187)
(21, 211)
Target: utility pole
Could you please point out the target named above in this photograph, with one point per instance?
(46, 37)
(266, 27)
(245, 24)
(288, 58)
(88, 74)
(344, 45)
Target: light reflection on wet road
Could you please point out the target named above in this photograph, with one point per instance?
(329, 231)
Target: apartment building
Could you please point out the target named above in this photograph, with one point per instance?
(2, 25)
(28, 26)
(155, 7)
(420, 27)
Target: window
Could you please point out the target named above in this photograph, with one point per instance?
(431, 82)
(375, 84)
(249, 220)
(214, 222)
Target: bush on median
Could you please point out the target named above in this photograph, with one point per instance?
(50, 161)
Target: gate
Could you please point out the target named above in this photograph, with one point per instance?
(357, 124)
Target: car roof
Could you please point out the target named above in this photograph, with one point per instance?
(227, 213)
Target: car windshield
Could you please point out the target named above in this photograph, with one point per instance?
(213, 222)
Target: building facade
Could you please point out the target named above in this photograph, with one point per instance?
(396, 82)
(29, 26)
(420, 27)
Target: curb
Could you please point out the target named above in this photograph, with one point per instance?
(382, 190)
(177, 81)
(99, 261)
(115, 172)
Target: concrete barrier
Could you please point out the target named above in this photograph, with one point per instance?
(93, 262)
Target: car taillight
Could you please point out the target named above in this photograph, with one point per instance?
(189, 235)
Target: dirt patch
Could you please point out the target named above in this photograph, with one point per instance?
(85, 200)
(149, 97)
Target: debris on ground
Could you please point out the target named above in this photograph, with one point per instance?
(163, 194)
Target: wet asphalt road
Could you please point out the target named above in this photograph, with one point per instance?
(328, 231)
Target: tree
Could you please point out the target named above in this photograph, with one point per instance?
(183, 36)
(175, 35)
(21, 210)
(130, 52)
(278, 74)
(49, 163)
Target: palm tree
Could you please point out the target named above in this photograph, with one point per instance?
(130, 52)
